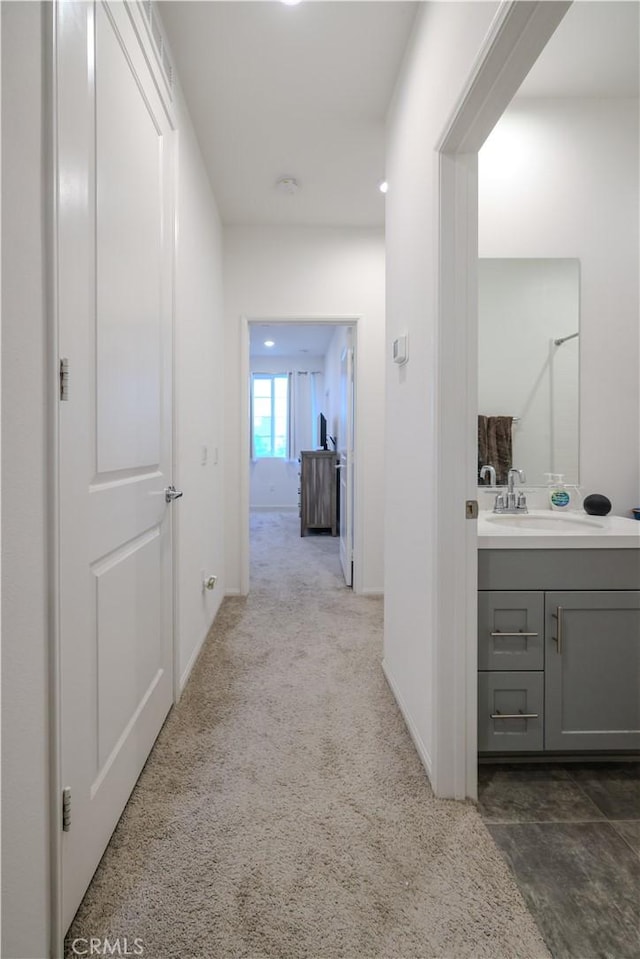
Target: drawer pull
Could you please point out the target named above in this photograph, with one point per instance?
(514, 715)
(519, 633)
(558, 618)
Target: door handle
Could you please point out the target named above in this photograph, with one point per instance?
(171, 493)
(558, 618)
(500, 715)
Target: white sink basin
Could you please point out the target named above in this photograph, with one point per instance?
(547, 529)
(543, 520)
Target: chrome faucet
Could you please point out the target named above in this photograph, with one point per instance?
(511, 501)
(489, 471)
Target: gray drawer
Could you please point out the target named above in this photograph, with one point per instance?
(510, 694)
(558, 569)
(510, 630)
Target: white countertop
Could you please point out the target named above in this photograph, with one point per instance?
(551, 529)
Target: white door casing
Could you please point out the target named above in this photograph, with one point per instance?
(346, 457)
(517, 36)
(113, 254)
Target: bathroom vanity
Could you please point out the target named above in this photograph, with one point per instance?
(558, 634)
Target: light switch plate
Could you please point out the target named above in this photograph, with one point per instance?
(401, 349)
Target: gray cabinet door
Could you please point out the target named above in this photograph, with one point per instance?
(592, 670)
(510, 630)
(510, 711)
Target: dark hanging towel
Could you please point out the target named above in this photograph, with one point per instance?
(482, 447)
(495, 445)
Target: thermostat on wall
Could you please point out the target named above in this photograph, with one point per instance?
(400, 350)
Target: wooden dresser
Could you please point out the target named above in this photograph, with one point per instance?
(318, 491)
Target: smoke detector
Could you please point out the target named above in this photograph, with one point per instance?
(287, 185)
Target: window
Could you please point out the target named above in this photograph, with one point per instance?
(269, 414)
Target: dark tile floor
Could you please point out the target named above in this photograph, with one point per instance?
(571, 835)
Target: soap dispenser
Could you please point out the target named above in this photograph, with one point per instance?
(559, 495)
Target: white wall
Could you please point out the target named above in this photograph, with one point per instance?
(559, 178)
(25, 756)
(199, 366)
(446, 42)
(321, 273)
(332, 383)
(286, 364)
(26, 481)
(274, 481)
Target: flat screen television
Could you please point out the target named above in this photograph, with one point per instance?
(322, 432)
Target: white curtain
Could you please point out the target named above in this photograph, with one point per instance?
(305, 397)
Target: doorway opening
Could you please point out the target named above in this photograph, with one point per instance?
(299, 423)
(542, 734)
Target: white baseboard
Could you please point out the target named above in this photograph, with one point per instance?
(233, 591)
(184, 679)
(372, 591)
(274, 509)
(418, 742)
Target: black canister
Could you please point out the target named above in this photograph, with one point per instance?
(597, 504)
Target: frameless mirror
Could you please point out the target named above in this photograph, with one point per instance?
(528, 368)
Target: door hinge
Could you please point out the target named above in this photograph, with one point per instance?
(64, 378)
(66, 809)
(472, 509)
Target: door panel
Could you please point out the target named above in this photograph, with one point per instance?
(129, 190)
(592, 671)
(114, 249)
(346, 458)
(127, 670)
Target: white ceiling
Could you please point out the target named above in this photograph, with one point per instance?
(303, 91)
(290, 339)
(593, 53)
(300, 91)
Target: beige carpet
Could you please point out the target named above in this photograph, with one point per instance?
(284, 812)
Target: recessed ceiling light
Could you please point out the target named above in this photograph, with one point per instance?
(269, 343)
(383, 187)
(288, 185)
(290, 3)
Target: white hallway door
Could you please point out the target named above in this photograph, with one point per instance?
(346, 457)
(114, 278)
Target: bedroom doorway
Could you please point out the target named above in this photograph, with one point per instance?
(299, 396)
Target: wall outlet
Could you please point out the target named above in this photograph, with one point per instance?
(209, 581)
